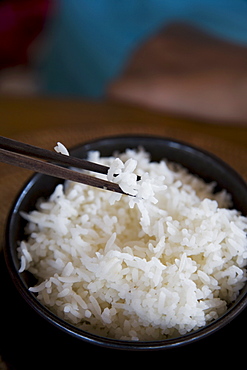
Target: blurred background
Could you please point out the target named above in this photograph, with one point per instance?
(21, 22)
(183, 56)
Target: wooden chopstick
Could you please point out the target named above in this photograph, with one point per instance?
(34, 151)
(24, 161)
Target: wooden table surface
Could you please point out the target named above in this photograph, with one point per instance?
(18, 115)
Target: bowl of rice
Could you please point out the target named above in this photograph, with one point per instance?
(158, 268)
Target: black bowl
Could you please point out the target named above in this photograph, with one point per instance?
(198, 161)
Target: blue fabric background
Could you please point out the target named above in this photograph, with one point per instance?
(90, 40)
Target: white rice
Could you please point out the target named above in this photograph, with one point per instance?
(60, 148)
(149, 267)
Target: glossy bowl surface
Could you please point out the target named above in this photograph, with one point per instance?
(198, 161)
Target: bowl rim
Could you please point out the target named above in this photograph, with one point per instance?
(237, 307)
